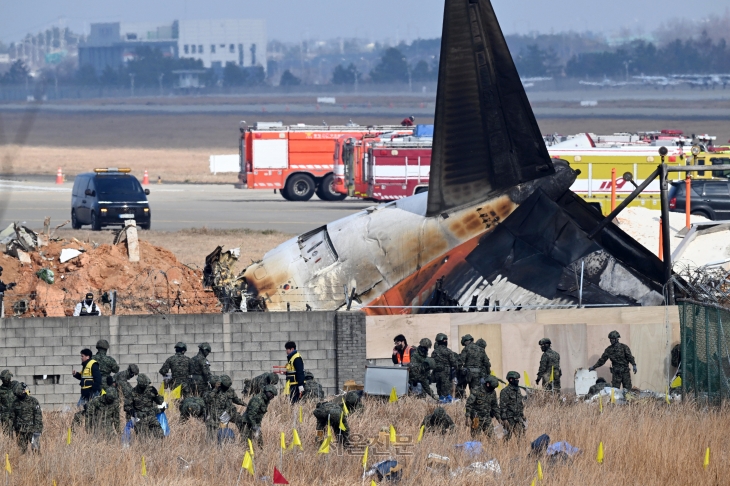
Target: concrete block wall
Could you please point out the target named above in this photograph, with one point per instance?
(243, 346)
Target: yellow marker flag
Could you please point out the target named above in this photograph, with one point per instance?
(250, 447)
(103, 392)
(54, 482)
(533, 482)
(295, 440)
(344, 407)
(552, 374)
(325, 447)
(420, 433)
(161, 391)
(342, 425)
(613, 398)
(10, 469)
(144, 467)
(706, 462)
(373, 483)
(365, 458)
(177, 393)
(247, 463)
(68, 437)
(283, 441)
(527, 380)
(393, 437)
(599, 456)
(677, 382)
(600, 403)
(300, 414)
(393, 396)
(286, 388)
(539, 471)
(666, 395)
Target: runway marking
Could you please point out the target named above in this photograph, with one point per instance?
(34, 188)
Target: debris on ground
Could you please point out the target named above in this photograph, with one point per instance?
(479, 468)
(472, 448)
(48, 286)
(389, 470)
(435, 462)
(229, 288)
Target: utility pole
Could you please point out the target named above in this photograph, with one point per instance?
(131, 79)
(159, 78)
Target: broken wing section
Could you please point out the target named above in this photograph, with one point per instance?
(486, 138)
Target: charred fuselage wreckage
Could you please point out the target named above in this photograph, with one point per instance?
(499, 226)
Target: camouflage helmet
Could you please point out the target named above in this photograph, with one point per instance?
(441, 337)
(181, 345)
(425, 343)
(492, 381)
(352, 398)
(143, 380)
(271, 389)
(466, 338)
(308, 375)
(439, 412)
(102, 344)
(513, 374)
(274, 378)
(133, 369)
(204, 347)
(544, 341)
(226, 381)
(6, 375)
(481, 343)
(19, 391)
(614, 335)
(215, 379)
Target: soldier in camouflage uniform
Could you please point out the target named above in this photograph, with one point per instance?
(312, 389)
(475, 366)
(483, 344)
(332, 412)
(482, 406)
(512, 407)
(102, 412)
(620, 356)
(420, 369)
(255, 385)
(7, 398)
(445, 360)
(192, 407)
(179, 366)
(596, 389)
(549, 367)
(199, 370)
(438, 421)
(144, 407)
(249, 423)
(123, 387)
(107, 364)
(220, 402)
(27, 419)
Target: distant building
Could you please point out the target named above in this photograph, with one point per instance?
(215, 42)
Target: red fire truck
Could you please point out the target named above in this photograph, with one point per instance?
(382, 168)
(296, 159)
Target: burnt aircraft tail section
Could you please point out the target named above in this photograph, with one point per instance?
(486, 138)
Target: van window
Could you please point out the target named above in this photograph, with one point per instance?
(79, 186)
(118, 185)
(716, 189)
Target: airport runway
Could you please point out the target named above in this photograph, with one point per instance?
(180, 206)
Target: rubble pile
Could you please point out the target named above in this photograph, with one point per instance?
(157, 283)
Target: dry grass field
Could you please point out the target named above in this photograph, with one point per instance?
(645, 444)
(176, 147)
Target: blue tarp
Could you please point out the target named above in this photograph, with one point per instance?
(423, 131)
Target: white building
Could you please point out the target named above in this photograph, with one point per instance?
(218, 42)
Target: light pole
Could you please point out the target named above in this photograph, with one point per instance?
(626, 65)
(131, 83)
(159, 78)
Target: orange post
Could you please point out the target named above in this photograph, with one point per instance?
(687, 207)
(59, 176)
(661, 242)
(613, 188)
(146, 178)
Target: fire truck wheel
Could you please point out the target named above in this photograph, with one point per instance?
(300, 187)
(326, 189)
(284, 193)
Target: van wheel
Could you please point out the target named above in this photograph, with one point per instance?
(95, 224)
(146, 226)
(300, 187)
(703, 214)
(326, 189)
(74, 220)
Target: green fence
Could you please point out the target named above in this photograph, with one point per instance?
(705, 358)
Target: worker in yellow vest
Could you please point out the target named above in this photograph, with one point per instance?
(294, 372)
(90, 381)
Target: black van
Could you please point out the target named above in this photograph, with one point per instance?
(108, 197)
(709, 198)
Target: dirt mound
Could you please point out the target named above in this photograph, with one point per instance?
(158, 283)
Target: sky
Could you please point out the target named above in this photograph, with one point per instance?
(293, 20)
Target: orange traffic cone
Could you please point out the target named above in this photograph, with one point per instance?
(146, 178)
(59, 176)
